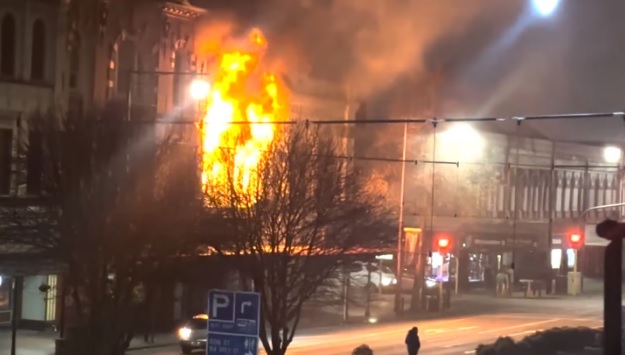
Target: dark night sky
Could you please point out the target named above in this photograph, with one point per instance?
(497, 56)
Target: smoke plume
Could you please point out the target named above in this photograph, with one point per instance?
(363, 45)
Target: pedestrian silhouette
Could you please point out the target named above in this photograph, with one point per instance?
(413, 344)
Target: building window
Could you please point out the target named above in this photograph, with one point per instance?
(125, 67)
(6, 145)
(38, 59)
(7, 47)
(35, 162)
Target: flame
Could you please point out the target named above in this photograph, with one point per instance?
(241, 92)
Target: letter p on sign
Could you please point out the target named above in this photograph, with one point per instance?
(219, 302)
(221, 305)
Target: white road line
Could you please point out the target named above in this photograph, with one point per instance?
(525, 332)
(519, 326)
(470, 352)
(467, 328)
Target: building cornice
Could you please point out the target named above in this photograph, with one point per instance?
(182, 9)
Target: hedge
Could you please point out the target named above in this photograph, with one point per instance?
(548, 342)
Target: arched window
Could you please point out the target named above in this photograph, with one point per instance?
(38, 59)
(7, 47)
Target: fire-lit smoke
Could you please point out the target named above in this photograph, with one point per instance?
(242, 91)
(366, 45)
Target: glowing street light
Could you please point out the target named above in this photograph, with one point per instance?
(461, 142)
(612, 155)
(199, 89)
(545, 7)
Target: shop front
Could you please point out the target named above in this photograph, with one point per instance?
(5, 300)
(484, 254)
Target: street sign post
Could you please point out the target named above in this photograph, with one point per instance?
(233, 323)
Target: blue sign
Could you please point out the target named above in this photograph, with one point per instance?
(233, 323)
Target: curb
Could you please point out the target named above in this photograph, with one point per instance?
(150, 346)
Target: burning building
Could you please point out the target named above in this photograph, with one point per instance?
(144, 56)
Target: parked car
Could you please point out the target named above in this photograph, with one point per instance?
(192, 335)
(380, 278)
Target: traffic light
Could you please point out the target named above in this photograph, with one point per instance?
(443, 244)
(576, 240)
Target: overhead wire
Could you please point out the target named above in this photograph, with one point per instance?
(418, 120)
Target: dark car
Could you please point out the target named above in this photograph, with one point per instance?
(192, 334)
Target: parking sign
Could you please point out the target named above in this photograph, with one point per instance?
(233, 323)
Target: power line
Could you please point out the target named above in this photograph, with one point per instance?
(421, 120)
(459, 163)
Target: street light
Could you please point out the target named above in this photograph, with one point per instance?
(612, 155)
(199, 89)
(545, 7)
(461, 142)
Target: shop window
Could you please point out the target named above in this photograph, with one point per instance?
(74, 61)
(34, 163)
(5, 294)
(38, 55)
(7, 45)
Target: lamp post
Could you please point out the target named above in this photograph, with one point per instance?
(545, 8)
(199, 89)
(399, 307)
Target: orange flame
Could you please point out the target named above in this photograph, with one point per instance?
(241, 92)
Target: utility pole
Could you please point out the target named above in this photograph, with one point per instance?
(399, 307)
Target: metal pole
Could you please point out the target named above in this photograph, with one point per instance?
(368, 306)
(516, 201)
(433, 182)
(400, 229)
(551, 197)
(14, 316)
(456, 273)
(345, 294)
(64, 281)
(612, 297)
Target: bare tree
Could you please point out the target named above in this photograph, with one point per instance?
(115, 206)
(293, 221)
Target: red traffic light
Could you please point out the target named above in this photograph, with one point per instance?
(443, 243)
(576, 240)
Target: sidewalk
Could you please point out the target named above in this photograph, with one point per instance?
(42, 343)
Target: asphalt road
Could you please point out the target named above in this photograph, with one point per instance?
(438, 337)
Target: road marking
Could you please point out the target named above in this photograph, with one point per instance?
(436, 331)
(470, 352)
(525, 332)
(519, 326)
(467, 328)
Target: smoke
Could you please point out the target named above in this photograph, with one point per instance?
(364, 45)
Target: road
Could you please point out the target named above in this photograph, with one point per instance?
(439, 337)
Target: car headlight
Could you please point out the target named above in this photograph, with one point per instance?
(184, 333)
(386, 281)
(430, 283)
